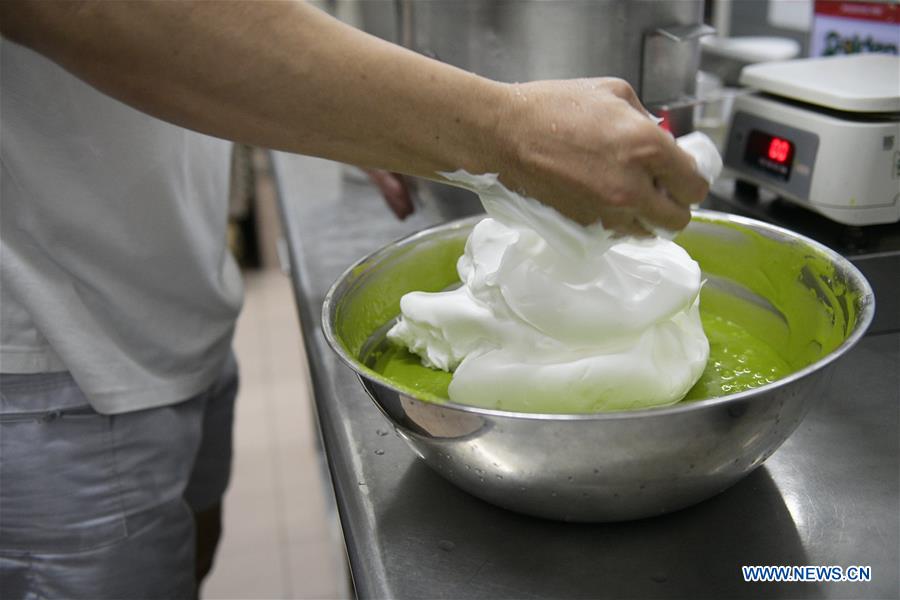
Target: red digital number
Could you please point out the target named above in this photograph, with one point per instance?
(779, 149)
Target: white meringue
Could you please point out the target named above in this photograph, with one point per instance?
(558, 318)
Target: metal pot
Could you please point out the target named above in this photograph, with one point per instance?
(608, 466)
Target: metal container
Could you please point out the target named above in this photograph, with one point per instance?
(608, 466)
(654, 45)
(651, 44)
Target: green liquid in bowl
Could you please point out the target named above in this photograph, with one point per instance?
(738, 361)
(769, 308)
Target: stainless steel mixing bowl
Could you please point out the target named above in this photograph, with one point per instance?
(609, 466)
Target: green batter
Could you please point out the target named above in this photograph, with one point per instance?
(737, 361)
(769, 309)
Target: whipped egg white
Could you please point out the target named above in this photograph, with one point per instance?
(552, 316)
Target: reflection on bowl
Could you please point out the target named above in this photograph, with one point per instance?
(800, 297)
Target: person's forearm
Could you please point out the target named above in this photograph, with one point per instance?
(278, 74)
(284, 75)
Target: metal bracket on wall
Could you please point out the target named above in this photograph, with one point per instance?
(664, 80)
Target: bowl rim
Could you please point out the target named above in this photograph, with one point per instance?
(867, 312)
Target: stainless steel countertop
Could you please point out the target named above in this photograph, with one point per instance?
(829, 496)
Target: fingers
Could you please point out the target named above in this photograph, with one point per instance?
(614, 164)
(622, 89)
(394, 190)
(675, 171)
(632, 229)
(676, 182)
(648, 206)
(654, 206)
(661, 210)
(624, 223)
(621, 222)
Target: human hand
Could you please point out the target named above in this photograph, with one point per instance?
(395, 191)
(588, 148)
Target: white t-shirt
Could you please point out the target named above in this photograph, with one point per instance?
(114, 258)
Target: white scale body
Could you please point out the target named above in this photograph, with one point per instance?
(823, 133)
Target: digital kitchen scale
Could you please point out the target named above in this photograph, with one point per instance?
(823, 133)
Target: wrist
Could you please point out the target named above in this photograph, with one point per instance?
(513, 144)
(486, 144)
(502, 152)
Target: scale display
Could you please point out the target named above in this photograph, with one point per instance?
(770, 153)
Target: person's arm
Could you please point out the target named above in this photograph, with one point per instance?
(285, 75)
